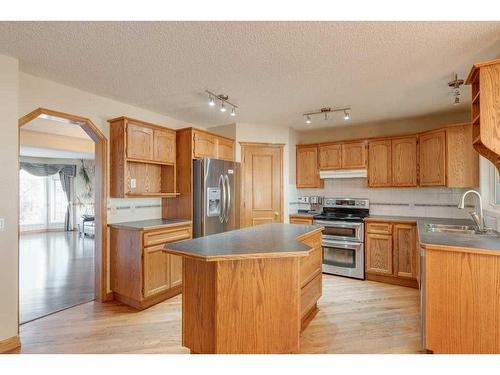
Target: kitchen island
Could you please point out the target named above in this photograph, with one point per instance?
(250, 290)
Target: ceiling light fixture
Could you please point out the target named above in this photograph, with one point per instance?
(455, 85)
(325, 111)
(223, 99)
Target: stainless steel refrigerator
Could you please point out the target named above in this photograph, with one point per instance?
(216, 196)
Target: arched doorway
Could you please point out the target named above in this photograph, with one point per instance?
(100, 188)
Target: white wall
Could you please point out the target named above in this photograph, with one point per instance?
(8, 196)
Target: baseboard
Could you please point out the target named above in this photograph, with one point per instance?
(308, 317)
(410, 283)
(148, 302)
(109, 297)
(9, 344)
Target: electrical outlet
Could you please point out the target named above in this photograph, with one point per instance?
(2, 224)
(114, 210)
(133, 183)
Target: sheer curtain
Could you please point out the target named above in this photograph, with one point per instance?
(67, 173)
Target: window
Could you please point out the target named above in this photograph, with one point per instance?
(42, 201)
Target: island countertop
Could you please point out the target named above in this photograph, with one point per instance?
(262, 241)
(149, 224)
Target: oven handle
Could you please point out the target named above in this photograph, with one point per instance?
(342, 244)
(339, 224)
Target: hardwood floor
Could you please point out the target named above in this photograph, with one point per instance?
(56, 271)
(355, 317)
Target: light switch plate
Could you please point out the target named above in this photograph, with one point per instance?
(133, 183)
(2, 224)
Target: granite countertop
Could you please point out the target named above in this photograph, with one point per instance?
(262, 241)
(488, 242)
(149, 224)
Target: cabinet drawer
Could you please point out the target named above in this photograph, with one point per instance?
(310, 294)
(166, 235)
(310, 266)
(300, 220)
(379, 228)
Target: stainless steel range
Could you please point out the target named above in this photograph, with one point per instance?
(343, 237)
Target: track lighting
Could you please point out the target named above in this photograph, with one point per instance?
(223, 101)
(325, 111)
(455, 85)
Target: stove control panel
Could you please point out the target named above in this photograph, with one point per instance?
(347, 203)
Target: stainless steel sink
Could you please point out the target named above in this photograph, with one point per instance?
(447, 228)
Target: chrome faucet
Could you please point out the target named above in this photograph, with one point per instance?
(477, 218)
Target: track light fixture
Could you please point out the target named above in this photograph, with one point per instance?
(455, 85)
(325, 111)
(223, 99)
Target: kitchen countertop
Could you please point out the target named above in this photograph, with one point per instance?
(262, 241)
(459, 241)
(149, 224)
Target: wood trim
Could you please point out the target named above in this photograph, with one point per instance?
(101, 183)
(10, 344)
(259, 144)
(476, 66)
(141, 123)
(203, 131)
(389, 279)
(456, 249)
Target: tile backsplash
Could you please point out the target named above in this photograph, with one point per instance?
(428, 202)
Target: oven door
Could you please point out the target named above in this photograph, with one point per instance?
(342, 230)
(344, 258)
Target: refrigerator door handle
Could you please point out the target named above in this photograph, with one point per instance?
(222, 188)
(228, 201)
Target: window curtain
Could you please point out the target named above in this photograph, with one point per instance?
(66, 173)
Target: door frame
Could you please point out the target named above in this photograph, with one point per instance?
(243, 145)
(101, 192)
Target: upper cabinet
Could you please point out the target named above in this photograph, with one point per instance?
(485, 81)
(225, 149)
(307, 167)
(433, 158)
(212, 146)
(347, 155)
(404, 161)
(380, 163)
(142, 159)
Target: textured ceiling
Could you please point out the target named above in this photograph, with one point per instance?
(273, 70)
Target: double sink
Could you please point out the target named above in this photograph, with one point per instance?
(457, 229)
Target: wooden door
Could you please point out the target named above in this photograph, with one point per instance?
(156, 270)
(354, 155)
(164, 146)
(175, 270)
(330, 156)
(432, 157)
(379, 163)
(307, 169)
(262, 184)
(405, 250)
(225, 149)
(378, 253)
(139, 142)
(404, 161)
(204, 145)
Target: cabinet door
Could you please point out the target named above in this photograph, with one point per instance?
(462, 161)
(379, 163)
(433, 158)
(139, 142)
(405, 251)
(204, 145)
(379, 253)
(330, 157)
(164, 146)
(404, 161)
(175, 270)
(225, 149)
(156, 270)
(354, 155)
(307, 167)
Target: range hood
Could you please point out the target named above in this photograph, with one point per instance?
(343, 173)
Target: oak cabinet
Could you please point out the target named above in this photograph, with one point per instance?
(405, 250)
(142, 273)
(432, 158)
(204, 145)
(380, 163)
(354, 155)
(307, 167)
(139, 142)
(379, 253)
(391, 252)
(225, 149)
(330, 156)
(462, 160)
(164, 146)
(142, 159)
(300, 219)
(404, 161)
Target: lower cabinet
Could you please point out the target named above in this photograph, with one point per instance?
(391, 253)
(142, 274)
(300, 219)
